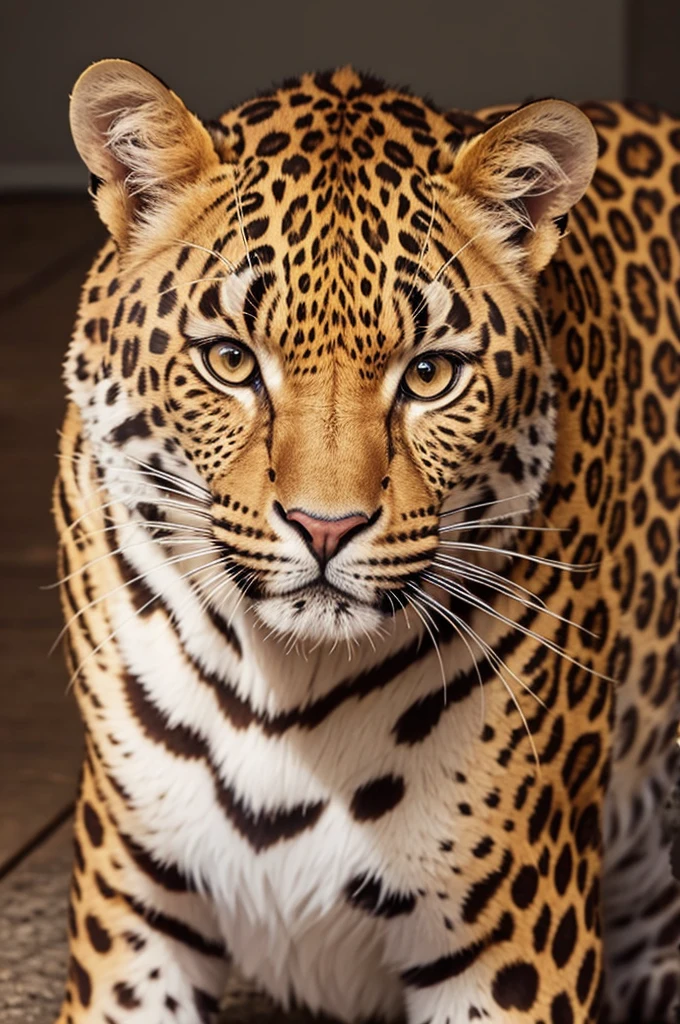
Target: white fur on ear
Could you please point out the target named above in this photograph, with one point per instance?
(532, 166)
(137, 137)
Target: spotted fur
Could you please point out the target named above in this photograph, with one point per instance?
(425, 775)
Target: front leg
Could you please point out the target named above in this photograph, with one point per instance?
(526, 946)
(143, 946)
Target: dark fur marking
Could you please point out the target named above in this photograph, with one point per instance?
(175, 929)
(377, 797)
(515, 986)
(82, 981)
(262, 829)
(454, 964)
(369, 894)
(98, 935)
(93, 825)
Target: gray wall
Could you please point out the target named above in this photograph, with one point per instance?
(215, 53)
(654, 40)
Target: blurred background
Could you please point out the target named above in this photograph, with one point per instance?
(214, 54)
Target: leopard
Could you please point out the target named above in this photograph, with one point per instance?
(368, 507)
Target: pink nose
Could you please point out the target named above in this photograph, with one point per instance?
(324, 535)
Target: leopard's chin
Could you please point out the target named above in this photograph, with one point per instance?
(319, 613)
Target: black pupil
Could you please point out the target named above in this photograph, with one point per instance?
(232, 357)
(426, 370)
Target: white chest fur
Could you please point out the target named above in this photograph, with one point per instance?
(203, 779)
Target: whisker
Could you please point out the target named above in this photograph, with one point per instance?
(128, 583)
(447, 613)
(129, 618)
(232, 578)
(89, 512)
(497, 585)
(475, 524)
(458, 590)
(167, 503)
(239, 214)
(196, 280)
(494, 661)
(485, 504)
(497, 664)
(421, 615)
(169, 541)
(473, 661)
(182, 507)
(551, 563)
(483, 574)
(461, 591)
(191, 488)
(162, 487)
(369, 638)
(541, 608)
(448, 263)
(394, 612)
(160, 524)
(494, 519)
(211, 252)
(175, 478)
(236, 606)
(426, 244)
(486, 519)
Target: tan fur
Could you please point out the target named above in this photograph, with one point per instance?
(509, 861)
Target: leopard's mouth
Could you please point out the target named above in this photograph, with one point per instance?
(322, 587)
(320, 611)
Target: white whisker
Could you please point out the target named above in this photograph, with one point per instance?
(551, 563)
(150, 498)
(239, 215)
(447, 264)
(196, 280)
(156, 524)
(189, 487)
(211, 252)
(494, 661)
(201, 492)
(421, 612)
(485, 504)
(483, 574)
(426, 244)
(121, 550)
(458, 590)
(134, 615)
(499, 588)
(128, 583)
(162, 503)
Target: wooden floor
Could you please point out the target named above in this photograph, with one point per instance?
(47, 244)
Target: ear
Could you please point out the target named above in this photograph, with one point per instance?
(530, 168)
(138, 140)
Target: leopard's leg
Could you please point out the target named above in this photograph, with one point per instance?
(526, 946)
(641, 899)
(143, 944)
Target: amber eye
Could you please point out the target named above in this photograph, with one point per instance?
(429, 377)
(230, 362)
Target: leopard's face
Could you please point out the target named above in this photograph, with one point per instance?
(335, 343)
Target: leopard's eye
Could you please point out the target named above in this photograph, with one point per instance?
(230, 362)
(429, 376)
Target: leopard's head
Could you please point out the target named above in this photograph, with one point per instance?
(316, 321)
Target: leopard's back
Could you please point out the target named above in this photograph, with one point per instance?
(617, 281)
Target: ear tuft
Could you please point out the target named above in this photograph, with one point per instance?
(532, 166)
(136, 137)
